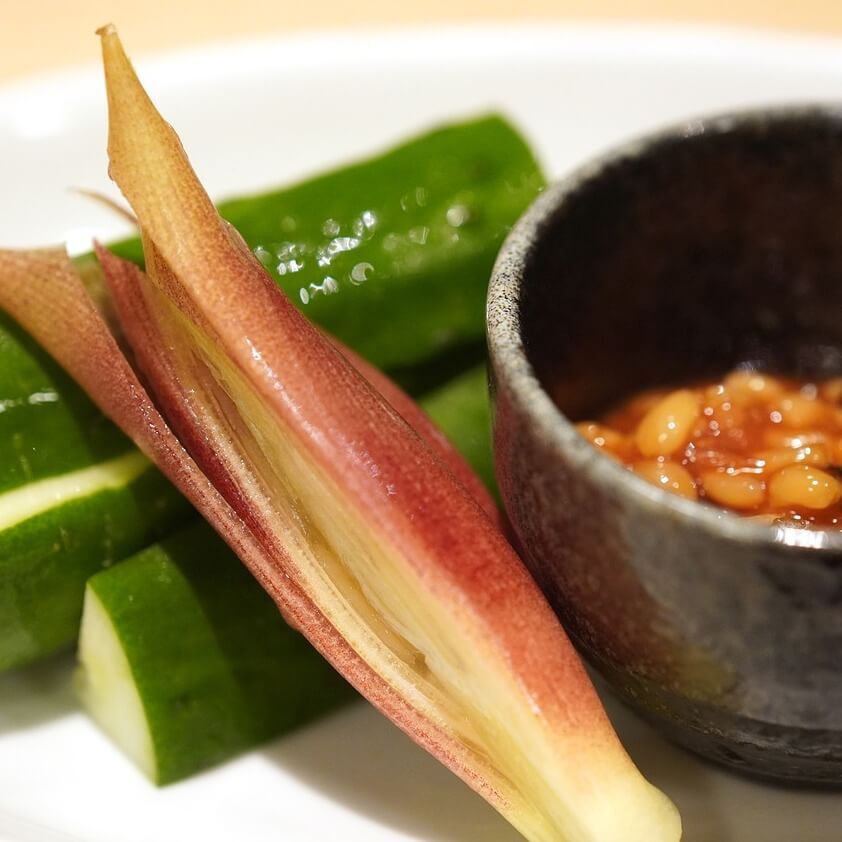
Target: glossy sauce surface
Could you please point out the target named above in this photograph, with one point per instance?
(765, 447)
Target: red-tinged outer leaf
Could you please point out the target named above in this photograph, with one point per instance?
(464, 652)
(130, 290)
(423, 425)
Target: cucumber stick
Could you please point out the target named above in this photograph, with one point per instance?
(75, 496)
(185, 661)
(392, 255)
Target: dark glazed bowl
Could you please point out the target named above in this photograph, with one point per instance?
(672, 259)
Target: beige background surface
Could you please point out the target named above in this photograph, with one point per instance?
(38, 35)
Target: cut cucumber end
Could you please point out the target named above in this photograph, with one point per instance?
(186, 661)
(107, 687)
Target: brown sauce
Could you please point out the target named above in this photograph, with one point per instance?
(766, 447)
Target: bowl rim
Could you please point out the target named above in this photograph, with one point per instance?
(509, 362)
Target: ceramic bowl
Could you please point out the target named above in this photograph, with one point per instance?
(675, 258)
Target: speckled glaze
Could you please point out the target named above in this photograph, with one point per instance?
(715, 243)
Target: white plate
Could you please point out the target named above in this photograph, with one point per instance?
(257, 114)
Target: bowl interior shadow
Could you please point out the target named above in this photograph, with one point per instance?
(687, 260)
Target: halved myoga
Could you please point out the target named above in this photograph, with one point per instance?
(349, 520)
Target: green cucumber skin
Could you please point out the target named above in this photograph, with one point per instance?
(217, 669)
(462, 411)
(48, 425)
(443, 202)
(46, 560)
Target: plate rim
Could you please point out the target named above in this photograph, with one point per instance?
(371, 44)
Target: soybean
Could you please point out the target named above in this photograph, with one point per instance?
(763, 446)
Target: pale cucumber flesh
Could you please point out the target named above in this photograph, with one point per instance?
(107, 687)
